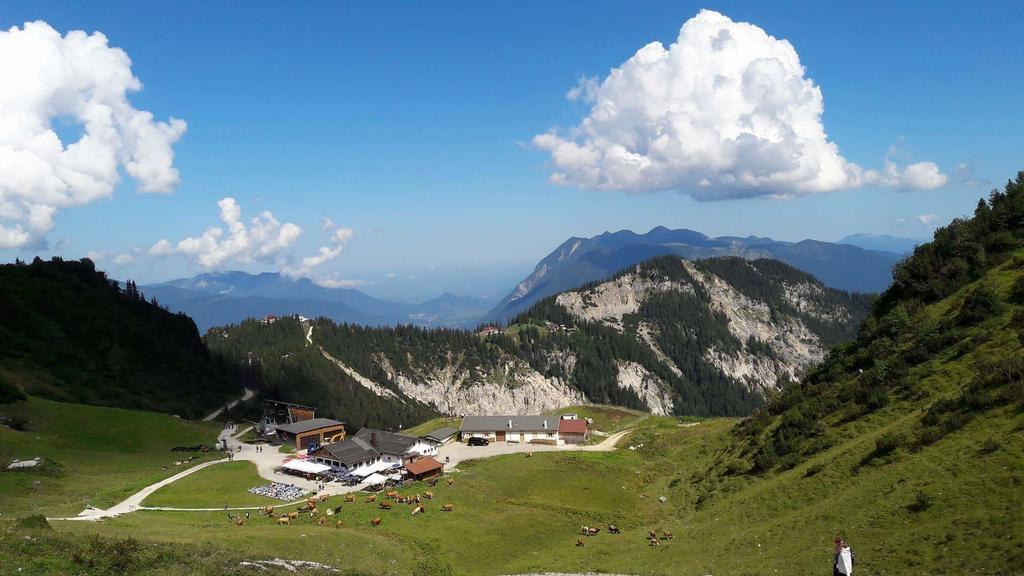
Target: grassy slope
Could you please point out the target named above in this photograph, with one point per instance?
(106, 454)
(217, 485)
(431, 425)
(607, 419)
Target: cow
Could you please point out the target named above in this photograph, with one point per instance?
(580, 542)
(268, 510)
(322, 520)
(451, 481)
(283, 520)
(312, 501)
(337, 509)
(338, 524)
(448, 507)
(293, 515)
(391, 494)
(314, 512)
(428, 495)
(323, 497)
(653, 541)
(375, 521)
(432, 482)
(613, 529)
(417, 510)
(667, 535)
(239, 521)
(385, 506)
(371, 498)
(350, 498)
(651, 534)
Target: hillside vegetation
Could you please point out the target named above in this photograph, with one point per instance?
(71, 334)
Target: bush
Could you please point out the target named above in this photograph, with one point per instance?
(736, 466)
(922, 502)
(1017, 291)
(102, 556)
(989, 446)
(813, 470)
(887, 443)
(980, 303)
(33, 522)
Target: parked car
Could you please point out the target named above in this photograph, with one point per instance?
(477, 441)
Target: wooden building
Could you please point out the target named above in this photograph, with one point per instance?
(315, 431)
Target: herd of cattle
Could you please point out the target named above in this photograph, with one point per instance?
(652, 536)
(313, 504)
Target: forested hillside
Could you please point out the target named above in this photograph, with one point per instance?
(943, 347)
(69, 333)
(673, 337)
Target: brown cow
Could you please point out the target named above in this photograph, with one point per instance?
(239, 521)
(375, 521)
(322, 520)
(451, 481)
(283, 520)
(268, 510)
(371, 498)
(350, 497)
(580, 542)
(417, 510)
(392, 494)
(653, 541)
(667, 535)
(338, 525)
(428, 495)
(293, 515)
(314, 512)
(312, 501)
(323, 497)
(385, 506)
(448, 507)
(417, 498)
(651, 534)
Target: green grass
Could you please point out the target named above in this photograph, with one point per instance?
(104, 454)
(220, 484)
(433, 424)
(608, 419)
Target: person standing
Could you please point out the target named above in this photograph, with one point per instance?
(842, 561)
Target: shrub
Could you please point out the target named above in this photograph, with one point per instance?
(813, 470)
(989, 446)
(120, 556)
(888, 442)
(980, 303)
(765, 459)
(1017, 291)
(33, 522)
(736, 466)
(922, 502)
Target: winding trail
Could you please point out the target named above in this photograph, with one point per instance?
(245, 396)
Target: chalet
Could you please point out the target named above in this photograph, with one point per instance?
(305, 433)
(371, 449)
(535, 429)
(572, 430)
(423, 468)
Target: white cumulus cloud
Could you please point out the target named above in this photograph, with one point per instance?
(324, 254)
(726, 111)
(262, 240)
(927, 219)
(47, 79)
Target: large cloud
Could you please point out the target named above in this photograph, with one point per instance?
(46, 78)
(726, 111)
(263, 240)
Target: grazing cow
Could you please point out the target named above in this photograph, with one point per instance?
(303, 508)
(613, 529)
(338, 524)
(428, 495)
(667, 535)
(239, 521)
(385, 506)
(417, 510)
(293, 515)
(283, 520)
(448, 507)
(312, 501)
(322, 520)
(451, 481)
(350, 498)
(323, 497)
(375, 521)
(401, 499)
(329, 512)
(651, 534)
(268, 510)
(337, 509)
(314, 512)
(371, 498)
(529, 454)
(392, 494)
(580, 542)
(653, 541)
(432, 482)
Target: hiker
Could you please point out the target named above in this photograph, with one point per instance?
(842, 564)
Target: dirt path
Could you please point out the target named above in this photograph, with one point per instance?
(247, 395)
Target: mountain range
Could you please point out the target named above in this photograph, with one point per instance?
(882, 243)
(671, 336)
(217, 299)
(580, 260)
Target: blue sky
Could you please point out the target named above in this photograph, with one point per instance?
(412, 123)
